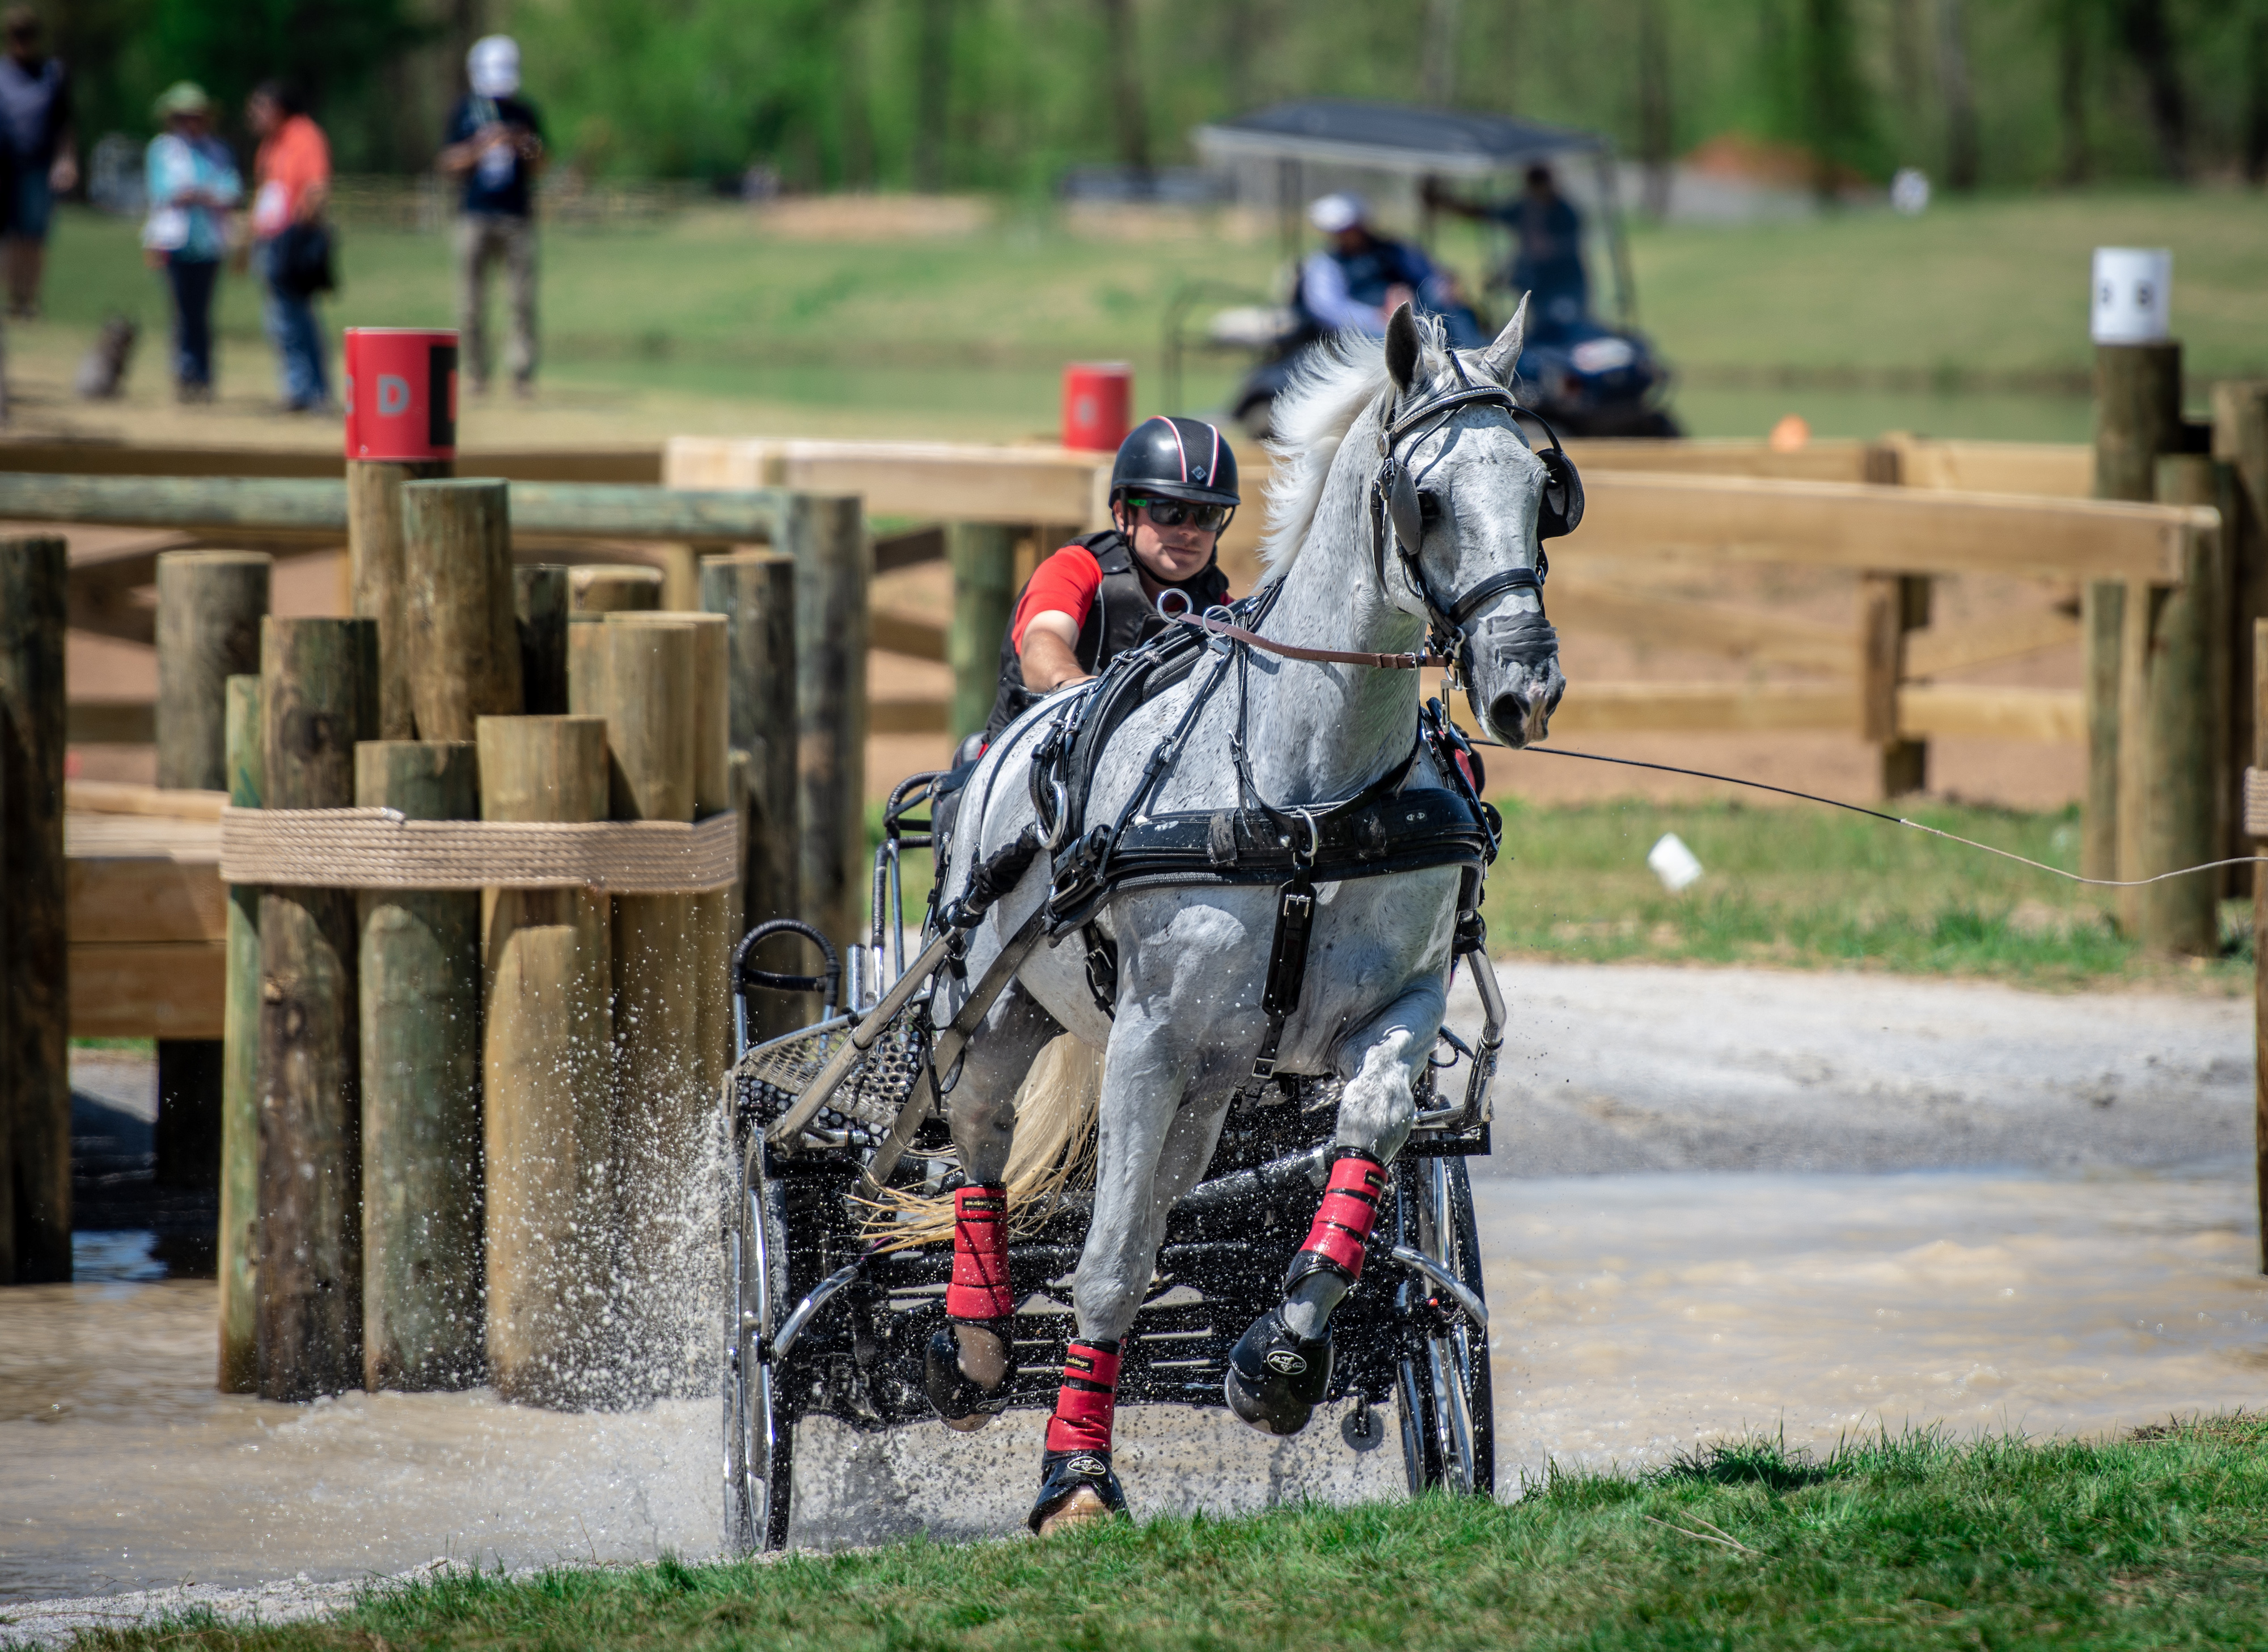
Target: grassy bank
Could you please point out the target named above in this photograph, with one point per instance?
(2153, 1541)
(1814, 888)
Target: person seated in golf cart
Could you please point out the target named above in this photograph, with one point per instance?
(1173, 491)
(1360, 277)
(1547, 264)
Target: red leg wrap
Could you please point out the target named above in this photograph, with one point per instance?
(1349, 1211)
(1085, 1403)
(979, 1289)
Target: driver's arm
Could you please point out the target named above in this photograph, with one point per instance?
(1049, 652)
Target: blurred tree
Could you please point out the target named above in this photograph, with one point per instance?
(2256, 93)
(1122, 70)
(933, 88)
(1437, 82)
(1961, 159)
(1825, 103)
(2149, 40)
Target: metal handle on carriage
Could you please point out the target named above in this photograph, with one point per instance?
(829, 1078)
(1475, 1310)
(781, 1346)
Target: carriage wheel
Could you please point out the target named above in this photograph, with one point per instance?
(1444, 1393)
(759, 1435)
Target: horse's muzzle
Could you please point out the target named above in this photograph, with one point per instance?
(1514, 665)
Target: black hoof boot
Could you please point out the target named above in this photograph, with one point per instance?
(964, 1404)
(1075, 1486)
(1274, 1380)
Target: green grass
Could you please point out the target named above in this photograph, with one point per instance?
(1815, 887)
(2149, 1542)
(1880, 318)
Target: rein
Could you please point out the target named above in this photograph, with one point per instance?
(1222, 627)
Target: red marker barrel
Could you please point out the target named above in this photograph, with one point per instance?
(1098, 405)
(401, 393)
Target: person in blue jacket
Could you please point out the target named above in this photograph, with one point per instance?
(1356, 280)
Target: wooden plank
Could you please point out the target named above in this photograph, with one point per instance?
(903, 634)
(1835, 460)
(908, 717)
(147, 989)
(909, 549)
(117, 900)
(1969, 711)
(118, 797)
(1894, 530)
(1601, 708)
(1701, 627)
(2063, 471)
(1937, 651)
(110, 723)
(934, 481)
(633, 464)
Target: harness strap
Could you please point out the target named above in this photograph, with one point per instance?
(1323, 656)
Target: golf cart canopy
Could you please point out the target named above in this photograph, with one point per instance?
(1390, 137)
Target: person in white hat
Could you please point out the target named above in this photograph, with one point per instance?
(494, 143)
(1358, 277)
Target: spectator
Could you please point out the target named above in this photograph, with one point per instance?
(294, 171)
(494, 143)
(193, 185)
(35, 114)
(1360, 277)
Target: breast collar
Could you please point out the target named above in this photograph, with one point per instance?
(1394, 513)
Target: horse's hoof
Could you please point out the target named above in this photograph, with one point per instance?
(1075, 1487)
(1276, 1380)
(964, 1404)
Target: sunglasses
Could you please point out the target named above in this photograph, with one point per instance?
(1182, 513)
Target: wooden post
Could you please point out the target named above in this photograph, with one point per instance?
(984, 559)
(834, 568)
(419, 975)
(2173, 691)
(210, 606)
(374, 561)
(35, 1242)
(638, 672)
(614, 588)
(2137, 416)
(755, 592)
(2239, 439)
(545, 1065)
(239, 1095)
(463, 649)
(2259, 952)
(712, 795)
(319, 697)
(540, 601)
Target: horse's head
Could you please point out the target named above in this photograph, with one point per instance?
(1470, 534)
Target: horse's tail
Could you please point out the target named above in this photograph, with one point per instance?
(1054, 1149)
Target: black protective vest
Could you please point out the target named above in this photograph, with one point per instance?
(1122, 617)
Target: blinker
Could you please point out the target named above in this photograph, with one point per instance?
(1402, 506)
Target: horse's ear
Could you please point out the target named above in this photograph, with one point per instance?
(1503, 358)
(1402, 348)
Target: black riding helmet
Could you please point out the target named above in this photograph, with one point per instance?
(1175, 459)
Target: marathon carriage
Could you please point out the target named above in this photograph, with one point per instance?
(1252, 1083)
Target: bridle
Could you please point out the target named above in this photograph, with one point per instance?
(1397, 515)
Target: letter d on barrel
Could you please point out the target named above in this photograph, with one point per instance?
(401, 393)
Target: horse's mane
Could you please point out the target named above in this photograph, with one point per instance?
(1339, 377)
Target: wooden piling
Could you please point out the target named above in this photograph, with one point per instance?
(983, 559)
(2173, 692)
(755, 592)
(834, 569)
(2137, 416)
(210, 606)
(419, 976)
(36, 1243)
(540, 601)
(2259, 952)
(463, 651)
(319, 694)
(638, 672)
(239, 1262)
(545, 1065)
(614, 588)
(377, 575)
(2239, 439)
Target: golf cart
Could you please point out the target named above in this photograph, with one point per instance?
(1589, 375)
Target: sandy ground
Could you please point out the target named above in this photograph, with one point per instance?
(1720, 1200)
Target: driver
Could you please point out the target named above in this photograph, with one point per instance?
(1360, 277)
(1173, 489)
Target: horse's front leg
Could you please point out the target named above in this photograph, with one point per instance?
(1145, 1076)
(1281, 1368)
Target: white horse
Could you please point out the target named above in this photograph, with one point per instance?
(1191, 961)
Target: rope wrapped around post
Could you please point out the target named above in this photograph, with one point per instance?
(379, 849)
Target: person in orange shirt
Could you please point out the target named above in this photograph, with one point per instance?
(293, 169)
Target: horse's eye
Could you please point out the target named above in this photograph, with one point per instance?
(1429, 506)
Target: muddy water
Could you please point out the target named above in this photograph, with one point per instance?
(1636, 1314)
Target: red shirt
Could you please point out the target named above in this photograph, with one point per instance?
(1066, 583)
